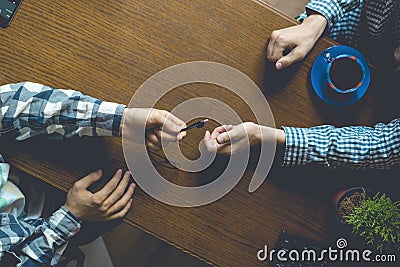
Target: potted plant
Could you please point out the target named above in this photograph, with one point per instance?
(345, 201)
(375, 219)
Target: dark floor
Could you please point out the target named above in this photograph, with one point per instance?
(142, 249)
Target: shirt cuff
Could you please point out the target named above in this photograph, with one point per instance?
(64, 224)
(108, 119)
(330, 9)
(296, 146)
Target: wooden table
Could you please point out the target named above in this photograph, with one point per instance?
(107, 49)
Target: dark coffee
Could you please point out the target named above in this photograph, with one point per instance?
(345, 73)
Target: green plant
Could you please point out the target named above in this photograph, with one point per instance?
(377, 221)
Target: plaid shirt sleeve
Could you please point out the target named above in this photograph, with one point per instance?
(355, 146)
(31, 109)
(333, 10)
(343, 17)
(37, 242)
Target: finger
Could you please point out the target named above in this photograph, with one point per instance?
(178, 122)
(165, 119)
(123, 201)
(118, 191)
(171, 127)
(207, 135)
(294, 56)
(223, 138)
(181, 135)
(152, 146)
(221, 129)
(110, 186)
(167, 137)
(277, 48)
(122, 213)
(229, 127)
(271, 45)
(90, 179)
(174, 119)
(153, 138)
(170, 122)
(208, 143)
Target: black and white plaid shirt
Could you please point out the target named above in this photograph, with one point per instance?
(355, 146)
(347, 18)
(29, 109)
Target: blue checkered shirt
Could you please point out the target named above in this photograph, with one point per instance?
(343, 17)
(358, 147)
(354, 146)
(29, 109)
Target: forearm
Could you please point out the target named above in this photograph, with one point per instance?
(269, 134)
(332, 10)
(51, 238)
(32, 109)
(277, 136)
(37, 241)
(316, 23)
(354, 146)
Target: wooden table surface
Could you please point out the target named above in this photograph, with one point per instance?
(107, 49)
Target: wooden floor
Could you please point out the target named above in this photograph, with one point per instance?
(141, 249)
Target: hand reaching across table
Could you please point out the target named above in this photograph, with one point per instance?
(358, 147)
(159, 125)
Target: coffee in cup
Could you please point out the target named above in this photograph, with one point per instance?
(345, 73)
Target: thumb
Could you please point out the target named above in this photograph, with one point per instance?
(295, 55)
(223, 138)
(90, 179)
(164, 119)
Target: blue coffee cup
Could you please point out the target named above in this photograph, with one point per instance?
(340, 75)
(345, 73)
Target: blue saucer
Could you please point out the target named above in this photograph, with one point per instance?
(319, 72)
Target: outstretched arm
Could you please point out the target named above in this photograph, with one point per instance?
(31, 109)
(358, 147)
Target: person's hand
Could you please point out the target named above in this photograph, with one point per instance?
(111, 202)
(228, 139)
(290, 45)
(159, 125)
